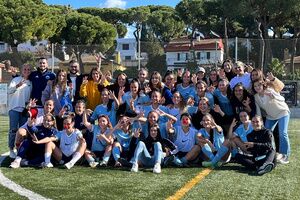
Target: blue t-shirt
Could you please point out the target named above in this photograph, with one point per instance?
(218, 138)
(148, 109)
(123, 138)
(102, 110)
(186, 92)
(208, 95)
(242, 133)
(39, 82)
(139, 101)
(224, 102)
(98, 144)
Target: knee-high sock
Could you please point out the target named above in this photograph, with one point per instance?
(222, 151)
(207, 151)
(116, 153)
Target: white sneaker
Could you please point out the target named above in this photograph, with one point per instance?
(15, 164)
(93, 164)
(284, 160)
(103, 163)
(69, 165)
(12, 154)
(47, 165)
(135, 167)
(157, 168)
(278, 156)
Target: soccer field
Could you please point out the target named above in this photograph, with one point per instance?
(227, 182)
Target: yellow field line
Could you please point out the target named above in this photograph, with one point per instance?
(189, 185)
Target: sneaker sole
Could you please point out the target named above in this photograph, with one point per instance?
(265, 170)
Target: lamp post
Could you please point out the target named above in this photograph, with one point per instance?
(112, 67)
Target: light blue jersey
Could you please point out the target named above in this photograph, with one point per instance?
(185, 141)
(102, 110)
(186, 92)
(208, 95)
(218, 137)
(98, 144)
(123, 138)
(242, 133)
(224, 102)
(138, 102)
(148, 109)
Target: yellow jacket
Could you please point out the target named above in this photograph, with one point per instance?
(91, 93)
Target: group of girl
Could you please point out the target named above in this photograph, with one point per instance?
(162, 121)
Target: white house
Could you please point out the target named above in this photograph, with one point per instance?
(180, 51)
(3, 47)
(128, 52)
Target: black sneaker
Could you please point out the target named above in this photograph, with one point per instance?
(265, 168)
(168, 160)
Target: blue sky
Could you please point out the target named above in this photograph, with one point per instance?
(112, 3)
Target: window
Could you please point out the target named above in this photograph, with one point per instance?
(208, 55)
(178, 56)
(125, 46)
(127, 57)
(2, 46)
(198, 55)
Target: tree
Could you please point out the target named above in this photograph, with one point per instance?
(84, 29)
(165, 24)
(115, 16)
(22, 21)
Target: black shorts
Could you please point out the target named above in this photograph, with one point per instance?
(66, 158)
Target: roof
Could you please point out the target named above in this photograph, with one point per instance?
(184, 44)
(296, 60)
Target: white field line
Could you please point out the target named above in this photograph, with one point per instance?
(15, 187)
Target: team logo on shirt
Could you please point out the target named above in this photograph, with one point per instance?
(183, 141)
(47, 77)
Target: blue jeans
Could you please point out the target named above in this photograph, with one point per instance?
(16, 120)
(283, 123)
(142, 154)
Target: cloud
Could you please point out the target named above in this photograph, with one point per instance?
(113, 4)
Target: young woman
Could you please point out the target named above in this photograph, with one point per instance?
(89, 88)
(227, 67)
(36, 113)
(213, 78)
(109, 107)
(201, 91)
(142, 79)
(120, 82)
(260, 146)
(185, 138)
(32, 148)
(122, 134)
(71, 148)
(150, 152)
(59, 92)
(186, 89)
(178, 107)
(19, 90)
(213, 144)
(169, 88)
(156, 82)
(101, 143)
(222, 95)
(277, 111)
(242, 100)
(133, 99)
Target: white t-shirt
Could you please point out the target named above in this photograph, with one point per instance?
(68, 143)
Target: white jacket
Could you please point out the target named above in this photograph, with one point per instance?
(17, 97)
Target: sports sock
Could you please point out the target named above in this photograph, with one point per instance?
(47, 157)
(116, 153)
(222, 151)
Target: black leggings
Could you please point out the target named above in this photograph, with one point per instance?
(250, 162)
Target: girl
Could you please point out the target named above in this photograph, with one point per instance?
(122, 134)
(222, 95)
(59, 92)
(227, 67)
(19, 90)
(213, 78)
(155, 106)
(102, 141)
(201, 91)
(142, 78)
(133, 100)
(212, 142)
(33, 148)
(277, 111)
(109, 106)
(150, 151)
(242, 100)
(37, 114)
(71, 148)
(156, 82)
(169, 88)
(121, 81)
(178, 107)
(185, 138)
(89, 88)
(186, 89)
(260, 146)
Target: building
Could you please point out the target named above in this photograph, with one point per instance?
(207, 52)
(128, 52)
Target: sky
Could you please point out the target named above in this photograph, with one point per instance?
(112, 3)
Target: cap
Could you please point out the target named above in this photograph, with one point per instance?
(201, 69)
